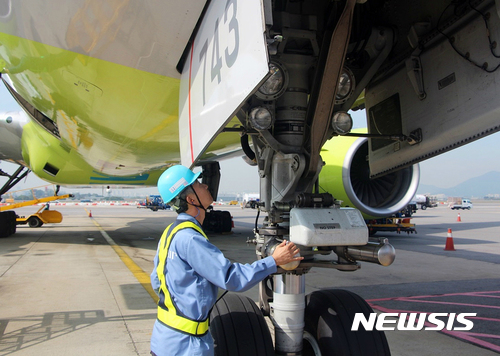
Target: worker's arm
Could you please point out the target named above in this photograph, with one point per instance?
(208, 261)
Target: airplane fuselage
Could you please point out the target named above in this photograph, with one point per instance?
(105, 75)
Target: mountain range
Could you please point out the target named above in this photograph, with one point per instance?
(477, 187)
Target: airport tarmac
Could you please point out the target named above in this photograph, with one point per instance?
(78, 288)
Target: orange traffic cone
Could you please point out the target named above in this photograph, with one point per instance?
(90, 213)
(449, 242)
(459, 218)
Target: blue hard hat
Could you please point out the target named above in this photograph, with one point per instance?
(174, 180)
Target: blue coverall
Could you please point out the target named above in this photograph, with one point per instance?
(195, 270)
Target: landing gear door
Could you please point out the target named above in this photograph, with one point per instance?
(226, 64)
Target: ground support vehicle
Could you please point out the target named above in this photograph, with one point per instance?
(409, 210)
(429, 203)
(42, 216)
(424, 201)
(155, 203)
(390, 225)
(459, 203)
(9, 220)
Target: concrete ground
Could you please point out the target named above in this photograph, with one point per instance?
(66, 291)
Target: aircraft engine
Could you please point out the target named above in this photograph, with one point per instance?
(346, 176)
(11, 130)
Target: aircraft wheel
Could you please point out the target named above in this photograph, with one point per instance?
(328, 317)
(310, 345)
(13, 222)
(218, 221)
(227, 221)
(7, 223)
(4, 230)
(34, 222)
(238, 328)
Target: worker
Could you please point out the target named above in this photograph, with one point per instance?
(188, 269)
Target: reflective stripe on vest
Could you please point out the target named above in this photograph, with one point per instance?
(168, 314)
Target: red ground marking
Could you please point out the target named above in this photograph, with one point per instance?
(464, 335)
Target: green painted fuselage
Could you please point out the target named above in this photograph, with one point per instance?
(114, 100)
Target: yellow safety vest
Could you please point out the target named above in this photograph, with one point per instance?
(168, 314)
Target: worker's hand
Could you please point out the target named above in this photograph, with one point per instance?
(285, 253)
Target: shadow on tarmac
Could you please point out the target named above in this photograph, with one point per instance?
(30, 331)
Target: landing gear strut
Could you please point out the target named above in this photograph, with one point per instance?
(14, 178)
(303, 103)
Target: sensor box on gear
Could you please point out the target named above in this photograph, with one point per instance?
(327, 227)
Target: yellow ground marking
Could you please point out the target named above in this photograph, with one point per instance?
(137, 271)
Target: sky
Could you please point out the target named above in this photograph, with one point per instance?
(444, 171)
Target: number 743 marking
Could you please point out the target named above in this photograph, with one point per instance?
(216, 59)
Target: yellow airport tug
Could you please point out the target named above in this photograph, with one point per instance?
(43, 216)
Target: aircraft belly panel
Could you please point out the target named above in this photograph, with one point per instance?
(148, 35)
(460, 105)
(121, 120)
(50, 160)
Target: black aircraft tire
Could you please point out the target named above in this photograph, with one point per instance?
(11, 221)
(239, 329)
(227, 222)
(218, 221)
(329, 315)
(7, 223)
(4, 225)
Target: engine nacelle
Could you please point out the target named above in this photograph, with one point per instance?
(11, 130)
(346, 176)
